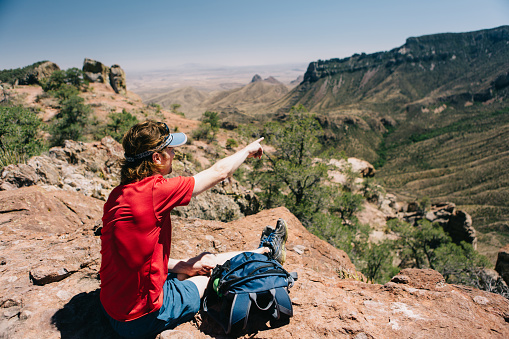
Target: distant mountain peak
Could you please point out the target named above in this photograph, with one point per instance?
(257, 78)
(272, 80)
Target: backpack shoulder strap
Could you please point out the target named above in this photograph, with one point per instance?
(284, 304)
(241, 305)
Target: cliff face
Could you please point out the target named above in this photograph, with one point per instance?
(464, 66)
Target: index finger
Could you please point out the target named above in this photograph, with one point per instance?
(259, 140)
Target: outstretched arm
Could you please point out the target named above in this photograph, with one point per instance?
(224, 168)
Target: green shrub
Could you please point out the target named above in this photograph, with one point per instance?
(70, 123)
(346, 204)
(231, 144)
(211, 118)
(65, 92)
(205, 132)
(375, 261)
(208, 127)
(71, 77)
(119, 124)
(427, 245)
(20, 130)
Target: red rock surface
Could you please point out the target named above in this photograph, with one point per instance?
(49, 262)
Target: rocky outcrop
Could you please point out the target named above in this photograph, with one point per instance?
(270, 80)
(95, 71)
(39, 73)
(381, 206)
(117, 79)
(343, 169)
(50, 282)
(369, 80)
(459, 226)
(91, 169)
(502, 266)
(225, 202)
(457, 223)
(341, 122)
(388, 121)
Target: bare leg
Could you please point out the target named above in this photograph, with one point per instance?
(201, 281)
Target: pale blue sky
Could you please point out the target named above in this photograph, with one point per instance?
(164, 34)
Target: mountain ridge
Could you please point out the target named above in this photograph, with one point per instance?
(380, 77)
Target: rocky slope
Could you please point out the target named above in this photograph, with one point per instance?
(49, 262)
(92, 169)
(50, 288)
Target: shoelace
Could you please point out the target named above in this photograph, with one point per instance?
(269, 240)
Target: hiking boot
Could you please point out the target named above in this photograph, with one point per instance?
(265, 234)
(275, 239)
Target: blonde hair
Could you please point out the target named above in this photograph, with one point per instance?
(142, 137)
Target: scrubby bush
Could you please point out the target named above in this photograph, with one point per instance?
(208, 127)
(20, 130)
(119, 124)
(71, 77)
(293, 164)
(231, 143)
(71, 121)
(427, 245)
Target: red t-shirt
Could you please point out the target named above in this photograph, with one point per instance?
(136, 242)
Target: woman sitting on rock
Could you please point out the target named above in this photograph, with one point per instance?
(143, 291)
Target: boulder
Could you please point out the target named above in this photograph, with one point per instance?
(95, 71)
(39, 73)
(388, 121)
(15, 176)
(459, 227)
(364, 168)
(420, 278)
(502, 266)
(457, 223)
(117, 79)
(360, 167)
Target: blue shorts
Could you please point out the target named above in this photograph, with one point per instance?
(181, 302)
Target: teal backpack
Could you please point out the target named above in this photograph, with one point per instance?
(248, 284)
